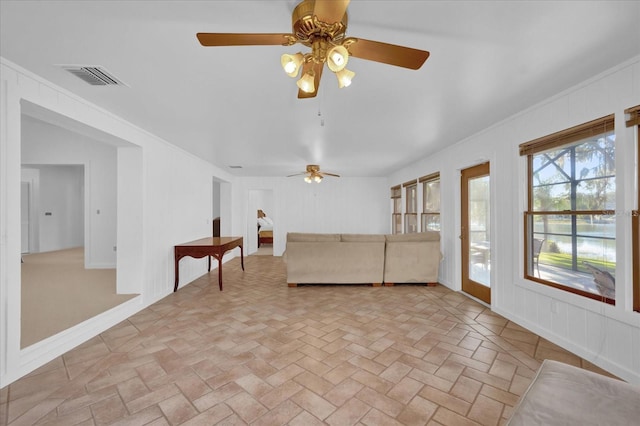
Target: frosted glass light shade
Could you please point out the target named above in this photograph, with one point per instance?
(307, 82)
(291, 63)
(344, 77)
(337, 58)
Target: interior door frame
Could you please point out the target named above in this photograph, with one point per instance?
(25, 216)
(469, 286)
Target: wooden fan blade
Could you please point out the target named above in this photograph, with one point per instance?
(297, 174)
(329, 174)
(239, 39)
(386, 53)
(318, 70)
(330, 11)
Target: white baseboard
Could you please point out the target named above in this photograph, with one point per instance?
(594, 358)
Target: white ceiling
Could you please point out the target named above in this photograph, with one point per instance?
(235, 105)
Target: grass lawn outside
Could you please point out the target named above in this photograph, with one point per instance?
(562, 260)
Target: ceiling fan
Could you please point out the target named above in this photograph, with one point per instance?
(321, 25)
(313, 174)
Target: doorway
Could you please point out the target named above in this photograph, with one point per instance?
(476, 232)
(69, 199)
(261, 222)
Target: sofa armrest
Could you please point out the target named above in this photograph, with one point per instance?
(561, 394)
(415, 258)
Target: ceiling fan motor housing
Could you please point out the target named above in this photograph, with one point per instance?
(307, 27)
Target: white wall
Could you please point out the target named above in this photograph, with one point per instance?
(164, 198)
(608, 336)
(337, 205)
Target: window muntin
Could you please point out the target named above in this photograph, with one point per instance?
(570, 222)
(430, 217)
(396, 216)
(411, 212)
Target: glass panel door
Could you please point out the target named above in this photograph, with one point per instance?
(476, 232)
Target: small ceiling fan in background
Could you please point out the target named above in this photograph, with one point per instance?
(321, 25)
(313, 174)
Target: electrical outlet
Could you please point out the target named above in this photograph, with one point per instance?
(115, 248)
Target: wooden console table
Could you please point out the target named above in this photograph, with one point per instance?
(210, 247)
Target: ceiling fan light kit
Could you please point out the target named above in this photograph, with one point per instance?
(321, 25)
(314, 178)
(323, 50)
(313, 174)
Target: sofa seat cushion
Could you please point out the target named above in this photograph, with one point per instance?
(561, 394)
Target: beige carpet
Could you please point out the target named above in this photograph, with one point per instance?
(264, 250)
(58, 293)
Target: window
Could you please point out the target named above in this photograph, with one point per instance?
(430, 218)
(570, 223)
(634, 120)
(396, 216)
(411, 212)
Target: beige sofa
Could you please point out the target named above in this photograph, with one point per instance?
(362, 258)
(561, 394)
(334, 258)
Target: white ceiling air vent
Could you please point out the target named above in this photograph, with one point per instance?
(94, 75)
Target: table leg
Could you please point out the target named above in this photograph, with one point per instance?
(177, 271)
(242, 258)
(209, 265)
(220, 272)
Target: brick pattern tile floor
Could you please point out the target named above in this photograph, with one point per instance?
(261, 353)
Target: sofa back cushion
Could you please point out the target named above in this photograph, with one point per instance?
(299, 237)
(417, 237)
(362, 238)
